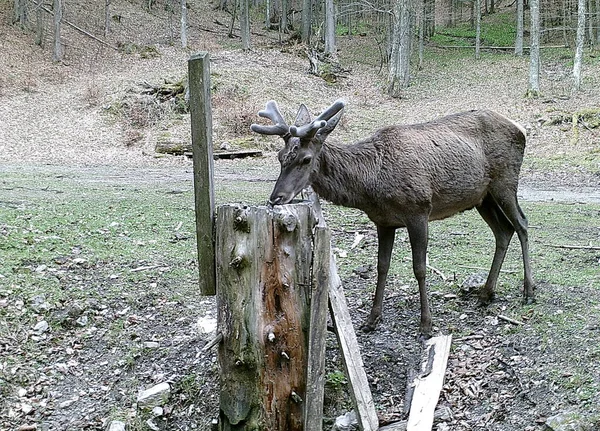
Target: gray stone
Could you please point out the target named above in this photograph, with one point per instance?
(347, 422)
(41, 327)
(568, 421)
(116, 426)
(155, 396)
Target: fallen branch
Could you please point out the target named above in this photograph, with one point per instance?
(212, 343)
(70, 24)
(438, 272)
(574, 247)
(509, 320)
(441, 414)
(506, 271)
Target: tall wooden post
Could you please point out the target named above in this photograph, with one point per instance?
(264, 260)
(201, 118)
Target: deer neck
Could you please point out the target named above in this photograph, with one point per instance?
(342, 173)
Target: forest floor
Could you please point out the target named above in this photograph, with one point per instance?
(98, 280)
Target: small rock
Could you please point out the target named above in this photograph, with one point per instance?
(26, 408)
(151, 345)
(568, 421)
(347, 422)
(158, 411)
(206, 324)
(152, 425)
(68, 403)
(473, 282)
(38, 303)
(116, 426)
(82, 321)
(41, 327)
(155, 396)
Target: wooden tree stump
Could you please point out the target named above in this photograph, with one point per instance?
(263, 260)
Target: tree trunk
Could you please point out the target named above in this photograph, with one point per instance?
(330, 48)
(106, 17)
(399, 67)
(534, 51)
(306, 21)
(58, 48)
(264, 285)
(39, 25)
(429, 12)
(245, 24)
(519, 38)
(422, 36)
(267, 14)
(477, 29)
(184, 24)
(20, 12)
(579, 46)
(283, 26)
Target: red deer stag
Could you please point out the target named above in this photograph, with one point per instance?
(407, 175)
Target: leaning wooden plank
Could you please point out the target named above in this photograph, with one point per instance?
(429, 384)
(361, 393)
(317, 337)
(440, 414)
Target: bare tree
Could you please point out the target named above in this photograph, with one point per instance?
(519, 38)
(106, 17)
(330, 48)
(477, 6)
(534, 51)
(20, 12)
(579, 45)
(39, 25)
(245, 24)
(306, 20)
(399, 66)
(58, 48)
(184, 24)
(429, 18)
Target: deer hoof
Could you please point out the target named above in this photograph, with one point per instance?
(370, 325)
(528, 300)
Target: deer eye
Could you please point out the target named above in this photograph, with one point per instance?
(306, 160)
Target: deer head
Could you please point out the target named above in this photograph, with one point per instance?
(303, 143)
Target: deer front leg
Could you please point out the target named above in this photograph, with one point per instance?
(385, 236)
(417, 233)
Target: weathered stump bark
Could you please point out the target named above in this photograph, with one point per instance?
(263, 260)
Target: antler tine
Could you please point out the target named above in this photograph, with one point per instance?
(271, 112)
(309, 130)
(336, 107)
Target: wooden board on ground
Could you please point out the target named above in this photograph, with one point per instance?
(232, 154)
(355, 370)
(429, 384)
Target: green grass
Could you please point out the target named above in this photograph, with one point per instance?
(497, 29)
(75, 242)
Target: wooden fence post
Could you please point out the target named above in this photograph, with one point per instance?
(263, 260)
(201, 119)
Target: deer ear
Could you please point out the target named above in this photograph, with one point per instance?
(331, 123)
(303, 116)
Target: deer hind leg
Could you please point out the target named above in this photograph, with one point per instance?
(418, 235)
(385, 236)
(503, 232)
(509, 204)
